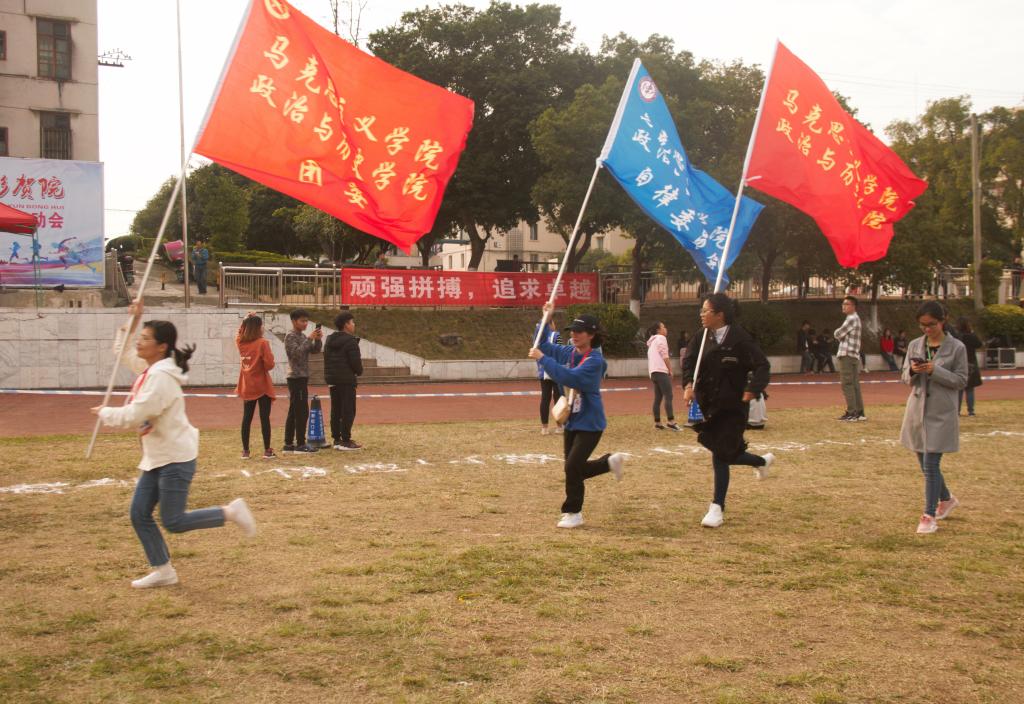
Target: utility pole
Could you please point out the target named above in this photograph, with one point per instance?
(976, 196)
(184, 159)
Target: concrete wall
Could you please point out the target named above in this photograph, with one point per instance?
(71, 349)
(63, 349)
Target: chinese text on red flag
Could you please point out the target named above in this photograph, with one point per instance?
(812, 154)
(306, 113)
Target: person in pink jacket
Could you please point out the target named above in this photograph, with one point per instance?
(659, 366)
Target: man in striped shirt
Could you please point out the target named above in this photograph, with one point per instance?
(848, 335)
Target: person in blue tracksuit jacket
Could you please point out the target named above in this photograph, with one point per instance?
(549, 391)
(579, 367)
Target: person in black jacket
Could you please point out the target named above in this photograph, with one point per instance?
(966, 335)
(805, 346)
(733, 371)
(343, 365)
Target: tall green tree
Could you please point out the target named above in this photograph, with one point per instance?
(513, 62)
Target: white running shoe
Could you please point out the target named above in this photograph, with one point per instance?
(713, 518)
(544, 430)
(615, 462)
(162, 576)
(242, 517)
(762, 472)
(946, 507)
(571, 520)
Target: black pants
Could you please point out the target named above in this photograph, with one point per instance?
(248, 408)
(662, 389)
(298, 410)
(549, 393)
(578, 466)
(343, 411)
(722, 473)
(199, 273)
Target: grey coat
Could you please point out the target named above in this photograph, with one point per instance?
(931, 422)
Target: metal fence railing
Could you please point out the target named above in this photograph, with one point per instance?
(114, 276)
(276, 286)
(666, 287)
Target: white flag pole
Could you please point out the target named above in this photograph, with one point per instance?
(132, 321)
(736, 206)
(609, 140)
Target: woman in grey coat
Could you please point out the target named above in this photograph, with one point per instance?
(936, 370)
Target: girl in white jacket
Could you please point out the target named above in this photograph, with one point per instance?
(170, 445)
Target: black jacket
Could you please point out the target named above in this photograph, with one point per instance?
(725, 370)
(342, 362)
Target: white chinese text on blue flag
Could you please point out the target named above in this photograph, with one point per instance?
(644, 154)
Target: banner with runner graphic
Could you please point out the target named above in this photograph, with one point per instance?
(66, 198)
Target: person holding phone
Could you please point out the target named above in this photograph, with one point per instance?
(936, 370)
(298, 347)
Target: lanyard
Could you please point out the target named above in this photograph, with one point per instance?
(573, 356)
(136, 386)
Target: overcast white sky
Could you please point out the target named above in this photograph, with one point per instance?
(889, 56)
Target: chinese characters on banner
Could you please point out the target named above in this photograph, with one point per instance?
(306, 113)
(812, 154)
(462, 288)
(644, 154)
(66, 199)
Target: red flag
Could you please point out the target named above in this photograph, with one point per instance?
(812, 154)
(308, 114)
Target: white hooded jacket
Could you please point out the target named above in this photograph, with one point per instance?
(160, 402)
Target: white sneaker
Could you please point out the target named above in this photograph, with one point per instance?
(242, 517)
(544, 430)
(162, 576)
(615, 462)
(714, 517)
(762, 472)
(571, 520)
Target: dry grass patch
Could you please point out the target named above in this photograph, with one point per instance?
(427, 568)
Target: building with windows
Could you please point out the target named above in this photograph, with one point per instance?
(49, 79)
(535, 247)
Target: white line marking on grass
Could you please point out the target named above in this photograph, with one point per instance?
(106, 481)
(376, 468)
(53, 488)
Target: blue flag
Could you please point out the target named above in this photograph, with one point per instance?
(644, 154)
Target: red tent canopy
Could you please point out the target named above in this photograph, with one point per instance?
(16, 221)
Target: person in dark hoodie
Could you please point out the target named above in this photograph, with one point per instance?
(733, 371)
(579, 368)
(343, 365)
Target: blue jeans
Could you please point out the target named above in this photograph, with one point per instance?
(934, 484)
(168, 486)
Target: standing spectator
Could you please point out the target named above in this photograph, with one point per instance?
(549, 391)
(804, 346)
(170, 446)
(849, 334)
(900, 346)
(887, 345)
(255, 386)
(299, 347)
(579, 367)
(343, 365)
(659, 367)
(823, 353)
(936, 371)
(733, 372)
(200, 257)
(972, 343)
(682, 344)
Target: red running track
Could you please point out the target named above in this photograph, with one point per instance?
(29, 414)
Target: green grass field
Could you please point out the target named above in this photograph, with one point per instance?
(427, 568)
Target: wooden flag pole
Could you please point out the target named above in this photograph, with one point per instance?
(568, 250)
(736, 206)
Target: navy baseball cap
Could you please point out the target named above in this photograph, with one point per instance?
(583, 323)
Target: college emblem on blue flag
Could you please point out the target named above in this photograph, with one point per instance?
(644, 154)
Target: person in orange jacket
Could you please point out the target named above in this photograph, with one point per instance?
(255, 386)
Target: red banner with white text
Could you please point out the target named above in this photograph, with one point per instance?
(396, 287)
